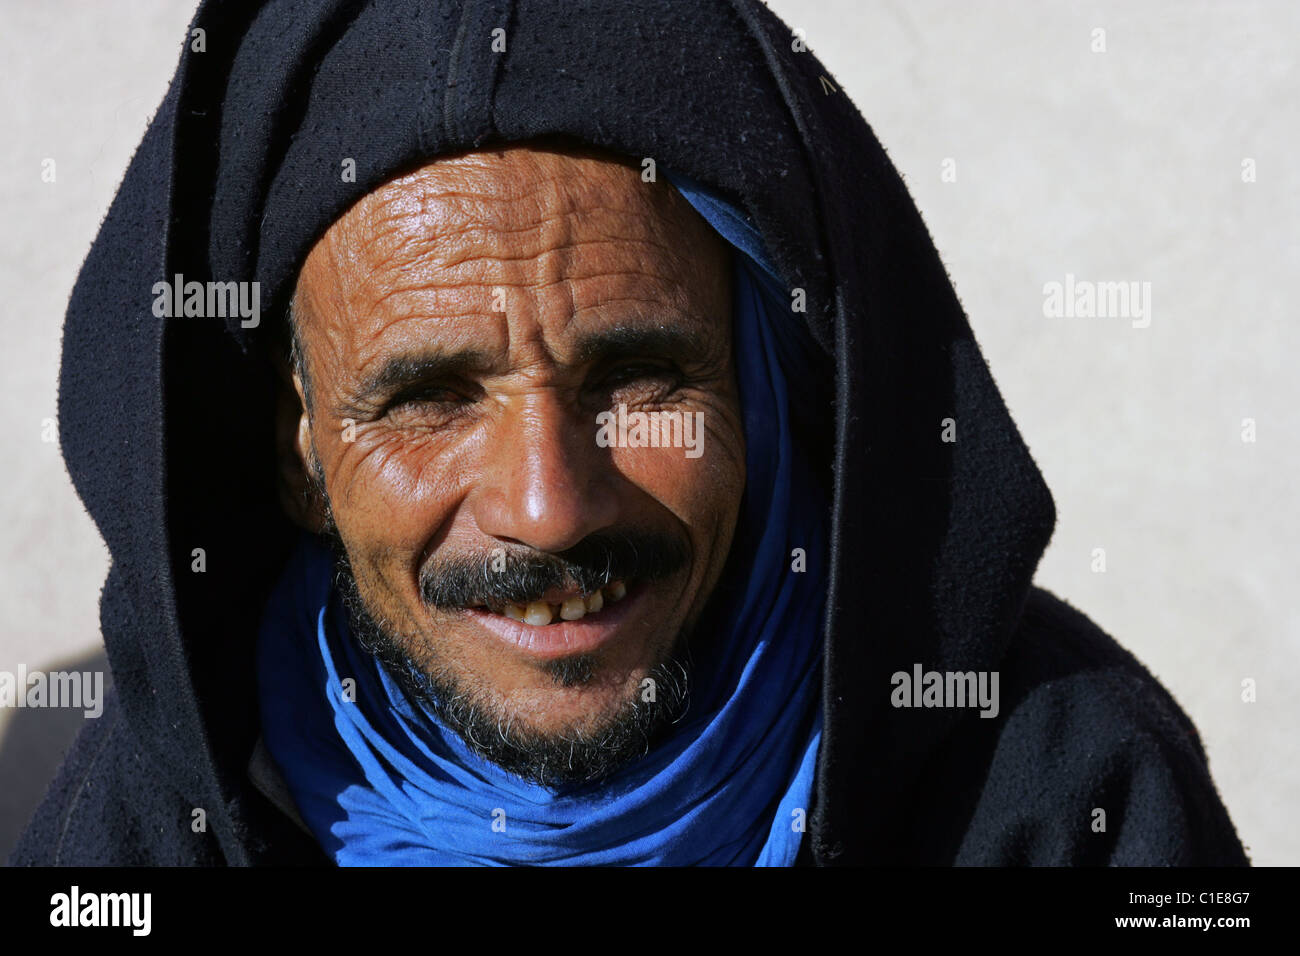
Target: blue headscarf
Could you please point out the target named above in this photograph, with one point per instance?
(380, 780)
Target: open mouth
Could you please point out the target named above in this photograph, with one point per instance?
(554, 607)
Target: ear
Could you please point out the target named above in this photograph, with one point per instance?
(293, 450)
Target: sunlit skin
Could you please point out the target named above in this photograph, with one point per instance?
(504, 453)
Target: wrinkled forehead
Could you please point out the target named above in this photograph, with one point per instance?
(450, 235)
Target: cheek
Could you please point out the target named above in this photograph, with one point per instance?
(702, 492)
(394, 489)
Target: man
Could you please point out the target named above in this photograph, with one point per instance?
(537, 581)
(477, 615)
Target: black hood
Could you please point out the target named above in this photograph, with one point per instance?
(167, 424)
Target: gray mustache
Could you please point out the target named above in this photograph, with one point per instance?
(520, 576)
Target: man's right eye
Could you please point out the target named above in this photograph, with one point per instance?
(437, 396)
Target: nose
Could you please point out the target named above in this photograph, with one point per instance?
(544, 483)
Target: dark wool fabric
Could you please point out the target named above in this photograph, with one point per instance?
(167, 429)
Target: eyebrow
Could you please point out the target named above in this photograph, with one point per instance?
(683, 342)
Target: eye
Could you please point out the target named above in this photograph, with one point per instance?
(440, 396)
(634, 372)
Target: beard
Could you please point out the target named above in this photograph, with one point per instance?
(565, 759)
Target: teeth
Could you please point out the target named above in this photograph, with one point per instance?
(538, 614)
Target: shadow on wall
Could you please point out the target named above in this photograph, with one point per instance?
(33, 741)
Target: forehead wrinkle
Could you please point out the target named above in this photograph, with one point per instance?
(438, 299)
(408, 245)
(411, 224)
(526, 330)
(454, 185)
(402, 222)
(451, 336)
(473, 178)
(558, 233)
(416, 208)
(415, 222)
(430, 300)
(472, 295)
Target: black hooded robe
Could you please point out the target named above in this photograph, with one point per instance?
(167, 430)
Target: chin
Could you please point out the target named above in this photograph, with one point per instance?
(565, 712)
(573, 722)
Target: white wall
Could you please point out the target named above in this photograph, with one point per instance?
(1115, 165)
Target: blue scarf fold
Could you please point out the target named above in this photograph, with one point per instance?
(380, 780)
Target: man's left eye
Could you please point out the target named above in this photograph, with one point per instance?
(638, 372)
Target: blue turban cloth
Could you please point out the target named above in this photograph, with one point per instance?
(381, 781)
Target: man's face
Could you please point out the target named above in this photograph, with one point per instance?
(462, 328)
